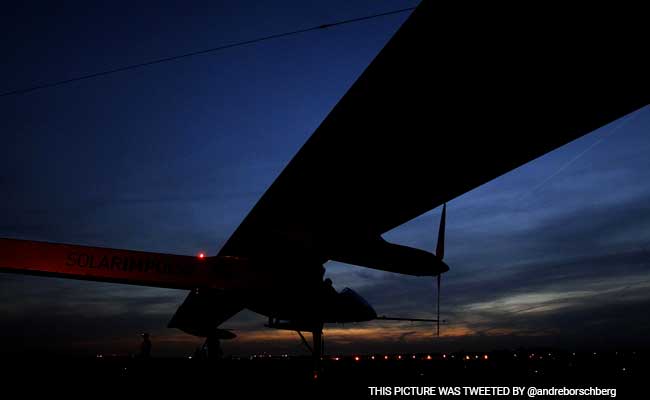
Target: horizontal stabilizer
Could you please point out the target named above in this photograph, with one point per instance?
(204, 310)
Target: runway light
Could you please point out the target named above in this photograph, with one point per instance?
(372, 358)
(399, 357)
(356, 358)
(385, 357)
(444, 356)
(485, 357)
(429, 357)
(413, 356)
(466, 357)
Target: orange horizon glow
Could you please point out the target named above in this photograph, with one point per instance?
(374, 340)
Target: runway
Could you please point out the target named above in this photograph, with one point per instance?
(351, 376)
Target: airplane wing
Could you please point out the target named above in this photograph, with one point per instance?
(452, 102)
(121, 266)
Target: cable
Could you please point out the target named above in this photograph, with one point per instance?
(195, 53)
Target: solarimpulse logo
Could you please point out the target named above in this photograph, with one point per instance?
(127, 264)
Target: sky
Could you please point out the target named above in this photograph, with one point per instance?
(172, 157)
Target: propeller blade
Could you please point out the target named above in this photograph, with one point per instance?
(440, 253)
(440, 247)
(438, 305)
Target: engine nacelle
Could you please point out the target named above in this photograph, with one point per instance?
(382, 255)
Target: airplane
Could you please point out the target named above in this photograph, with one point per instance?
(450, 103)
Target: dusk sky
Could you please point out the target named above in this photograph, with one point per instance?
(171, 158)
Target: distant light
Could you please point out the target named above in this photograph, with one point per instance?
(399, 357)
(201, 255)
(444, 356)
(356, 358)
(336, 358)
(485, 357)
(413, 356)
(385, 357)
(467, 357)
(429, 357)
(372, 358)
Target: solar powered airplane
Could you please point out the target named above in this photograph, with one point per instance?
(450, 103)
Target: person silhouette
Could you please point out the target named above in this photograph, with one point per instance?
(213, 344)
(145, 347)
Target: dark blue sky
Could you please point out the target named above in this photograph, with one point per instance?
(172, 157)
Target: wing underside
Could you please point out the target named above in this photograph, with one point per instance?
(449, 104)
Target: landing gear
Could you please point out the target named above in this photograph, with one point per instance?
(317, 299)
(317, 337)
(316, 349)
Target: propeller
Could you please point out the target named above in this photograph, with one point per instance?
(440, 253)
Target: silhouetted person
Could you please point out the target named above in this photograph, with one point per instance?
(145, 347)
(213, 345)
(199, 353)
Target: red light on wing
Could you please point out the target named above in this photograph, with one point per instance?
(201, 255)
